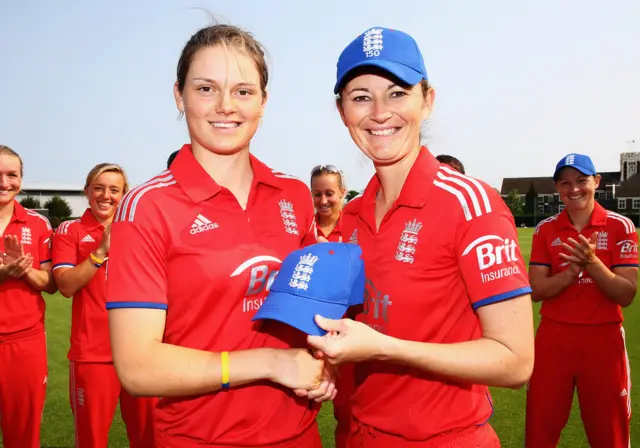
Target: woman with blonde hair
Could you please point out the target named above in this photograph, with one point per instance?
(25, 273)
(80, 253)
(328, 191)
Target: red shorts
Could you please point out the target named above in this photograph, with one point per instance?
(94, 392)
(363, 436)
(308, 439)
(591, 359)
(23, 388)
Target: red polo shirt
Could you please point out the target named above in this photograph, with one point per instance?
(182, 243)
(336, 234)
(22, 307)
(72, 244)
(617, 246)
(446, 247)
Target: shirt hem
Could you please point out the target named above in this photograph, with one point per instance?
(165, 440)
(431, 438)
(26, 333)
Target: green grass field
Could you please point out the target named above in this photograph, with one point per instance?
(508, 419)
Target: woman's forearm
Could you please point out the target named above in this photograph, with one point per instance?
(481, 361)
(41, 280)
(617, 288)
(70, 280)
(167, 370)
(544, 288)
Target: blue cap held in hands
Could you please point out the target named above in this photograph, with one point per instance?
(324, 279)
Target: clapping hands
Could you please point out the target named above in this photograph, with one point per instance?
(13, 262)
(581, 253)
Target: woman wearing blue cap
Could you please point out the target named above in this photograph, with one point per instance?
(584, 268)
(447, 310)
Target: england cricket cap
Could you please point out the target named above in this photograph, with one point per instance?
(579, 162)
(324, 279)
(390, 50)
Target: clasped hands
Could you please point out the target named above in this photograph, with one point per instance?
(581, 253)
(346, 341)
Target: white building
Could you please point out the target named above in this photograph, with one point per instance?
(629, 164)
(73, 194)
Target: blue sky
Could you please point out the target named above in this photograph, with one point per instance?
(518, 84)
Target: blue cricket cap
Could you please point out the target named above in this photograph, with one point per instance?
(390, 50)
(579, 162)
(324, 279)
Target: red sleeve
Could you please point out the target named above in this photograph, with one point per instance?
(136, 269)
(625, 250)
(65, 246)
(540, 254)
(44, 245)
(490, 259)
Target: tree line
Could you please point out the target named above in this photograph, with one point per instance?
(57, 207)
(524, 206)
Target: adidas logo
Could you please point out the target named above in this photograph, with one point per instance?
(556, 242)
(88, 239)
(202, 224)
(623, 393)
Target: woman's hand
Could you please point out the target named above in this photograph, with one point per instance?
(297, 369)
(14, 263)
(17, 268)
(105, 243)
(581, 252)
(327, 390)
(347, 341)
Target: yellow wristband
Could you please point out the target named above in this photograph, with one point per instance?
(98, 262)
(224, 365)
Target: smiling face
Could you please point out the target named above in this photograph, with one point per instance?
(383, 117)
(577, 190)
(105, 193)
(10, 178)
(222, 99)
(328, 194)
